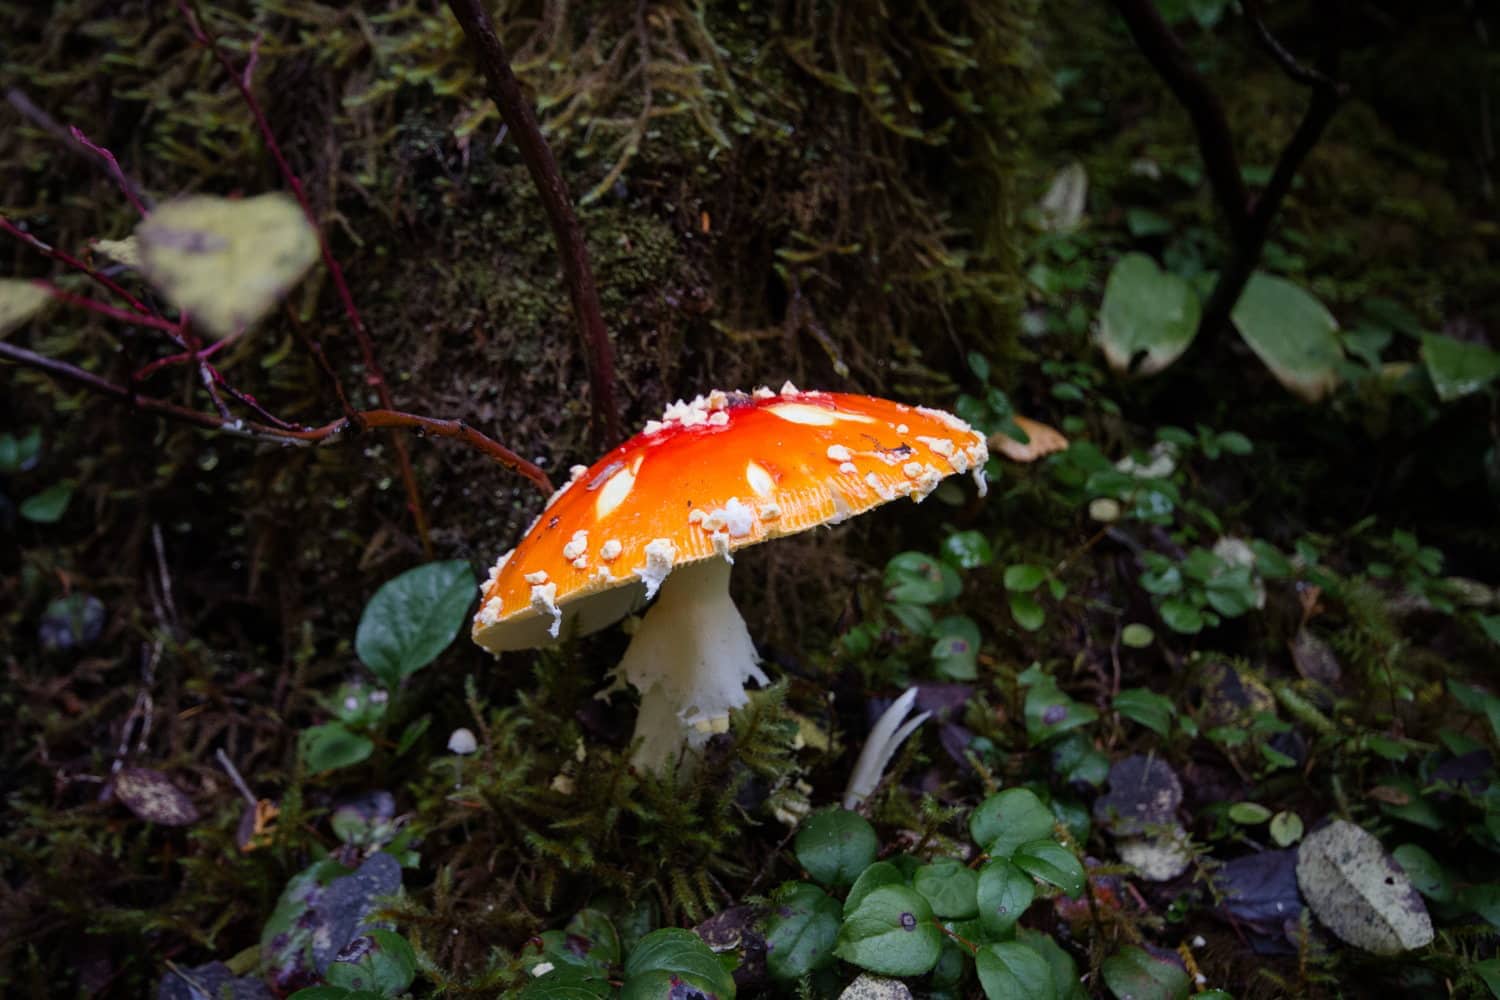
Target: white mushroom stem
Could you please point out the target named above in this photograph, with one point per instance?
(887, 735)
(689, 660)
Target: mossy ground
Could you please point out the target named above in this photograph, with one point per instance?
(831, 193)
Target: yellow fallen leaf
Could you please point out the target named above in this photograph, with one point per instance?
(226, 262)
(19, 301)
(126, 251)
(1044, 440)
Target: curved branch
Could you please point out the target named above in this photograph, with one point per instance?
(505, 91)
(455, 430)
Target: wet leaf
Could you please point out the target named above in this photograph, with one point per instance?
(224, 261)
(1427, 874)
(800, 930)
(1457, 368)
(1008, 819)
(321, 910)
(1135, 974)
(955, 651)
(330, 746)
(380, 961)
(1147, 314)
(1292, 333)
(1152, 710)
(1261, 889)
(968, 549)
(872, 878)
(1004, 893)
(1052, 863)
(917, 578)
(1065, 979)
(152, 797)
(413, 618)
(835, 845)
(566, 984)
(1144, 793)
(1010, 970)
(674, 952)
(891, 932)
(1050, 712)
(950, 888)
(1359, 893)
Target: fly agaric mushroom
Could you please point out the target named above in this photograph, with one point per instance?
(661, 516)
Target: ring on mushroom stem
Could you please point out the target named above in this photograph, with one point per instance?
(662, 515)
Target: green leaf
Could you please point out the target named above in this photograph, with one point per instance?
(1065, 979)
(1027, 612)
(566, 983)
(18, 454)
(1137, 636)
(20, 300)
(1458, 369)
(957, 647)
(1050, 712)
(1135, 974)
(950, 888)
(1010, 970)
(800, 930)
(892, 933)
(382, 962)
(1286, 828)
(1052, 863)
(1024, 577)
(1181, 616)
(226, 262)
(1426, 872)
(1152, 710)
(968, 549)
(1008, 819)
(413, 618)
(589, 943)
(330, 746)
(1488, 972)
(674, 950)
(1004, 893)
(1146, 311)
(872, 878)
(48, 506)
(1292, 333)
(1249, 813)
(918, 578)
(835, 845)
(663, 984)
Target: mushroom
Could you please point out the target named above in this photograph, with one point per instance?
(662, 515)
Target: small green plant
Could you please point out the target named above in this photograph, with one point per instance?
(410, 620)
(936, 916)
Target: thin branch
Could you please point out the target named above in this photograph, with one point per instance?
(114, 168)
(1288, 62)
(69, 260)
(1215, 142)
(374, 375)
(94, 305)
(28, 110)
(516, 111)
(455, 430)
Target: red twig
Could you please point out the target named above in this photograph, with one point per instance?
(505, 91)
(94, 305)
(177, 359)
(384, 418)
(45, 122)
(374, 375)
(73, 262)
(114, 167)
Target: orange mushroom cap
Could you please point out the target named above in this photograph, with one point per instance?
(713, 476)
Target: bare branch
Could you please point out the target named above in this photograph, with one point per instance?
(456, 430)
(516, 111)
